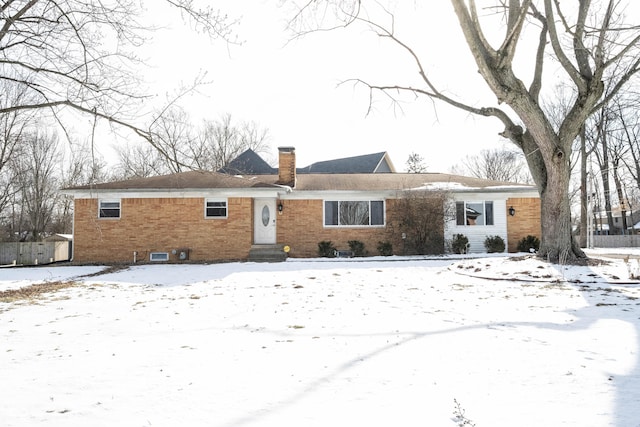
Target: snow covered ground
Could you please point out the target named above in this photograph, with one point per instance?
(409, 342)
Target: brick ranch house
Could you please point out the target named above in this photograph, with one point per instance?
(212, 216)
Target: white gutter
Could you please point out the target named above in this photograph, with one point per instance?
(138, 193)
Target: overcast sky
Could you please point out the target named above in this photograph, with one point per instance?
(293, 89)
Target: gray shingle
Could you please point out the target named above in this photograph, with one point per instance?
(368, 163)
(306, 182)
(248, 163)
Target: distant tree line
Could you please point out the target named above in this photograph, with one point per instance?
(61, 60)
(35, 163)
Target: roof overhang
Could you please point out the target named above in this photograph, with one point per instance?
(150, 193)
(282, 191)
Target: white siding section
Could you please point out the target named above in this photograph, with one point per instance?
(478, 233)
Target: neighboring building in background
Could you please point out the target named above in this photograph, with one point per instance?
(601, 223)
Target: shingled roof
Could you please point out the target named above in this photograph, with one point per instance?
(198, 180)
(181, 181)
(368, 163)
(250, 172)
(401, 181)
(248, 163)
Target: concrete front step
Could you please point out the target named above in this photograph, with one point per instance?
(267, 253)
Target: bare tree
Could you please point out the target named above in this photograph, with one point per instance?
(496, 164)
(618, 152)
(37, 171)
(79, 166)
(584, 189)
(221, 141)
(140, 161)
(415, 164)
(179, 146)
(173, 135)
(600, 142)
(592, 48)
(81, 54)
(611, 137)
(622, 140)
(630, 136)
(13, 127)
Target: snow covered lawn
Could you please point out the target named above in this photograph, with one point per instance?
(312, 343)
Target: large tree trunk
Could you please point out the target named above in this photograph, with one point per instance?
(546, 146)
(551, 171)
(557, 242)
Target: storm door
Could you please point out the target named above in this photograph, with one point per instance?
(264, 221)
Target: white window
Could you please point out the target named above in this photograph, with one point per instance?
(159, 256)
(347, 213)
(215, 208)
(109, 209)
(474, 213)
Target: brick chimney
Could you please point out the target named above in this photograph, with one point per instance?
(287, 166)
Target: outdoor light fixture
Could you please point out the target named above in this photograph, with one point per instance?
(512, 211)
(280, 207)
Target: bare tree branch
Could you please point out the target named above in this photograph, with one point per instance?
(536, 83)
(557, 46)
(81, 54)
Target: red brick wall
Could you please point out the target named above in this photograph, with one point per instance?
(525, 222)
(161, 225)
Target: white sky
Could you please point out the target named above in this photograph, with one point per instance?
(292, 89)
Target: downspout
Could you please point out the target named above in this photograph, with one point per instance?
(73, 231)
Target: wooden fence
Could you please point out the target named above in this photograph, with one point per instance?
(33, 253)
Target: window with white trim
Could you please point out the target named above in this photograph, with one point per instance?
(109, 209)
(215, 208)
(353, 213)
(159, 256)
(474, 213)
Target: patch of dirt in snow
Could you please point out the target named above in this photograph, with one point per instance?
(37, 291)
(533, 269)
(108, 270)
(33, 292)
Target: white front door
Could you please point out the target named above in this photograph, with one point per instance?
(264, 221)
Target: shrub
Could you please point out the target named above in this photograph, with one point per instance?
(418, 218)
(460, 244)
(385, 248)
(529, 244)
(494, 244)
(326, 249)
(357, 247)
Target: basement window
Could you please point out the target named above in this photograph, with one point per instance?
(159, 256)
